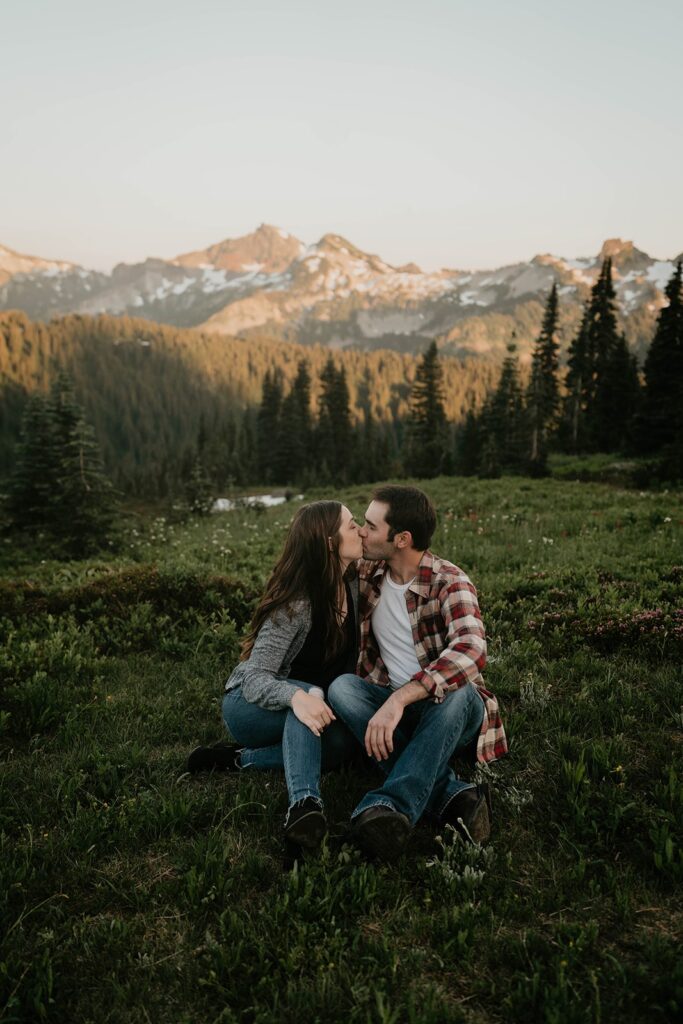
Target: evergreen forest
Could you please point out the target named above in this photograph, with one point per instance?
(93, 404)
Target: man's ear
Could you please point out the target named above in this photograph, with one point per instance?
(404, 539)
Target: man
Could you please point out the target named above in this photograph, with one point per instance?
(419, 696)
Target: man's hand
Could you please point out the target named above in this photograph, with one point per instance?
(312, 711)
(379, 735)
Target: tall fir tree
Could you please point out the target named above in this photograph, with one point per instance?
(613, 381)
(32, 484)
(293, 449)
(268, 425)
(59, 487)
(334, 424)
(578, 387)
(503, 423)
(662, 417)
(427, 436)
(468, 446)
(543, 391)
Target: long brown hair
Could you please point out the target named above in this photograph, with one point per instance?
(309, 567)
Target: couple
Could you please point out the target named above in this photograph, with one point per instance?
(304, 695)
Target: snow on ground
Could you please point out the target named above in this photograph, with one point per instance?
(183, 285)
(268, 500)
(660, 273)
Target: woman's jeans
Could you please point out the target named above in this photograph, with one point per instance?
(277, 740)
(417, 774)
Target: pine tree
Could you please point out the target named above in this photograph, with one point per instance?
(503, 423)
(293, 452)
(59, 486)
(613, 382)
(427, 441)
(662, 419)
(33, 482)
(198, 489)
(578, 384)
(543, 391)
(88, 504)
(334, 424)
(268, 425)
(468, 446)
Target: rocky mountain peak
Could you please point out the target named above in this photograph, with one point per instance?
(624, 255)
(12, 263)
(268, 250)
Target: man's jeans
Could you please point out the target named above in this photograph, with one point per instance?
(418, 777)
(277, 740)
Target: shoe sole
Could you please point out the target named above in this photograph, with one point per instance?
(308, 831)
(383, 837)
(206, 759)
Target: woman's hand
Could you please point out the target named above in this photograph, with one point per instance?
(312, 711)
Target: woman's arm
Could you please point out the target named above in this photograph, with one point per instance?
(262, 683)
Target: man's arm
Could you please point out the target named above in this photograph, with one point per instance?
(464, 656)
(459, 663)
(379, 735)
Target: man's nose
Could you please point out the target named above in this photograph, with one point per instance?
(362, 532)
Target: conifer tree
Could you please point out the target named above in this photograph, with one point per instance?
(334, 424)
(33, 482)
(427, 441)
(59, 485)
(88, 504)
(468, 446)
(503, 422)
(293, 449)
(662, 419)
(268, 425)
(543, 390)
(611, 383)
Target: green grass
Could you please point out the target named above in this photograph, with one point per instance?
(131, 892)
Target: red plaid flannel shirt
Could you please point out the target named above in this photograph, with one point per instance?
(449, 637)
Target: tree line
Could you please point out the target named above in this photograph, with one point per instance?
(602, 403)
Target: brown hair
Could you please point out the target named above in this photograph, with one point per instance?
(409, 509)
(309, 567)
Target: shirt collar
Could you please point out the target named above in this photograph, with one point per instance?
(421, 583)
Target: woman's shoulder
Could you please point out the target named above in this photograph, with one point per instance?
(296, 612)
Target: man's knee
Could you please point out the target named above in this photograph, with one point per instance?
(344, 690)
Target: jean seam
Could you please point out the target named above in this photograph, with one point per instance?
(294, 799)
(376, 803)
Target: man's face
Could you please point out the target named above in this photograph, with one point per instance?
(374, 533)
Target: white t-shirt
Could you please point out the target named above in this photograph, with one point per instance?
(391, 626)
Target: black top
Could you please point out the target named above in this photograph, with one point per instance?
(310, 665)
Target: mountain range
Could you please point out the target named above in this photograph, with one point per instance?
(270, 284)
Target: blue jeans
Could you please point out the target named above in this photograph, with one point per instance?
(277, 740)
(417, 774)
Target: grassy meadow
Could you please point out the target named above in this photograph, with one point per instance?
(132, 892)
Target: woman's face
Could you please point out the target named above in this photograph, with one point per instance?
(350, 543)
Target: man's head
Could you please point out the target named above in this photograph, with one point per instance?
(397, 518)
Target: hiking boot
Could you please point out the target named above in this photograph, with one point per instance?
(305, 823)
(381, 831)
(469, 812)
(221, 757)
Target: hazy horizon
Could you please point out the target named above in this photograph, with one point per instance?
(444, 134)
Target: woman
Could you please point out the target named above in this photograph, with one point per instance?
(304, 634)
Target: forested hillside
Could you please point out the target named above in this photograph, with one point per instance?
(150, 390)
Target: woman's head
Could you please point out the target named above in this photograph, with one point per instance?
(322, 541)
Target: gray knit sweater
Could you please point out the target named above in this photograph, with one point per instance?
(264, 676)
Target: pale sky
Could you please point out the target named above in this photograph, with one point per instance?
(447, 132)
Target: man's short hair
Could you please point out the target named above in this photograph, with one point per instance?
(409, 509)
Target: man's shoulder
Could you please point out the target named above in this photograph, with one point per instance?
(444, 573)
